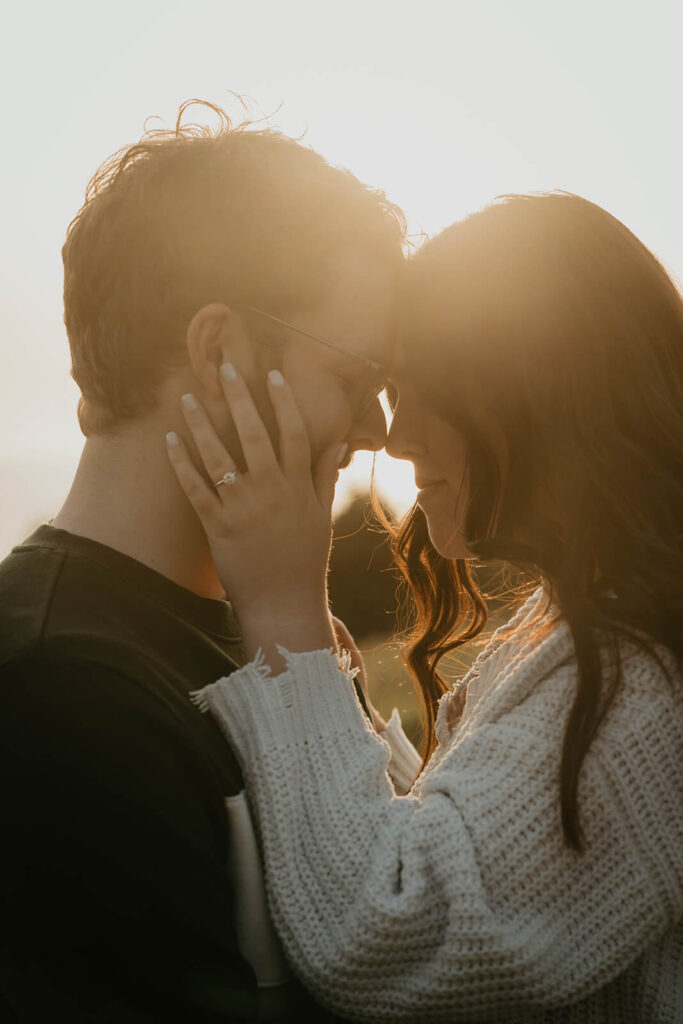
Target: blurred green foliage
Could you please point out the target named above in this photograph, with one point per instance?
(363, 593)
(363, 580)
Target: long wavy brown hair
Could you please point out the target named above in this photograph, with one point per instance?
(547, 314)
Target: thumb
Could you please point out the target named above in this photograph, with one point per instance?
(325, 473)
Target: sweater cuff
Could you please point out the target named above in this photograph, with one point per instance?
(405, 763)
(259, 712)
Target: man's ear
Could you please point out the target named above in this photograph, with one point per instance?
(217, 335)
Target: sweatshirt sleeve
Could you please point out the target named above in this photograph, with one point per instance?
(115, 900)
(462, 901)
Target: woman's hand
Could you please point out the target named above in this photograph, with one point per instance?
(269, 529)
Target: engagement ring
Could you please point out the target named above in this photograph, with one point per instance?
(227, 479)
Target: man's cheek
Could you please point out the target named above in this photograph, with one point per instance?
(327, 423)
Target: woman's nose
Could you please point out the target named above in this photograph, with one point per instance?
(402, 440)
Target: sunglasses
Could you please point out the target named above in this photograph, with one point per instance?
(367, 389)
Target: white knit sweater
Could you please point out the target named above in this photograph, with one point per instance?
(461, 901)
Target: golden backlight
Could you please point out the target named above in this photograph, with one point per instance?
(441, 104)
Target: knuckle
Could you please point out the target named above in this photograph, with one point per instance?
(202, 504)
(272, 501)
(252, 435)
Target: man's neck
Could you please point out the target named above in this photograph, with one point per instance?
(125, 495)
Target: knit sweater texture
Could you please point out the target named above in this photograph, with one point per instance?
(461, 901)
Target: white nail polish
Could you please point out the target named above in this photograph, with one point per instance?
(189, 401)
(276, 378)
(172, 439)
(228, 371)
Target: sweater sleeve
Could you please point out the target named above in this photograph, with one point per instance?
(405, 762)
(462, 901)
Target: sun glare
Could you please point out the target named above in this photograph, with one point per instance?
(394, 478)
(442, 108)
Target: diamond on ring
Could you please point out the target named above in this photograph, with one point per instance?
(228, 478)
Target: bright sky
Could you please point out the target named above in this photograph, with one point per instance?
(442, 103)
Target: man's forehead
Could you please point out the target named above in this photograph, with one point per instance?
(361, 307)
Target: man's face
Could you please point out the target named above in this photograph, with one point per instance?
(356, 314)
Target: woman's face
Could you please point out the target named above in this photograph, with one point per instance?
(438, 453)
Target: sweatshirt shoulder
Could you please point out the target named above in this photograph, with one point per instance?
(29, 579)
(57, 603)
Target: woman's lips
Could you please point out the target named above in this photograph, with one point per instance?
(427, 488)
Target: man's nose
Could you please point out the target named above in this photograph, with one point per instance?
(370, 431)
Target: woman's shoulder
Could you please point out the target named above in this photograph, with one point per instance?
(522, 652)
(649, 696)
(530, 670)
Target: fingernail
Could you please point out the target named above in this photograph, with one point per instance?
(276, 378)
(228, 371)
(172, 439)
(342, 452)
(189, 401)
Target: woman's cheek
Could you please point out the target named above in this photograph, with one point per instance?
(445, 514)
